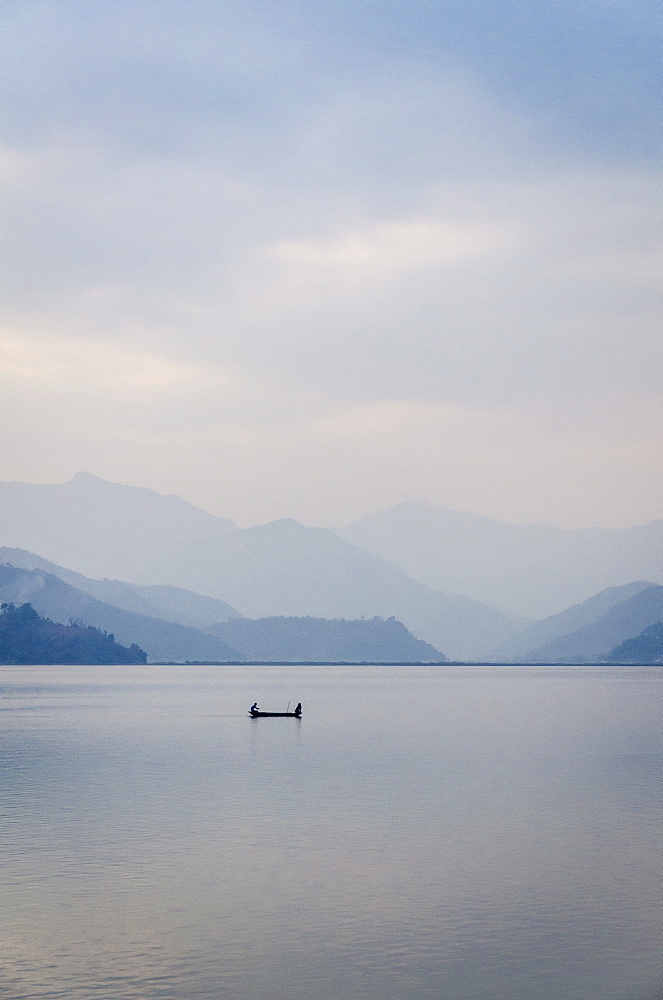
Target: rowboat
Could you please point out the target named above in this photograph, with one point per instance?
(256, 714)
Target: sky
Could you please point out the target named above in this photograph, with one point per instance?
(311, 259)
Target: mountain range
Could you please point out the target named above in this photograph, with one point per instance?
(596, 640)
(531, 570)
(103, 529)
(52, 598)
(292, 639)
(426, 567)
(284, 568)
(173, 604)
(99, 528)
(530, 644)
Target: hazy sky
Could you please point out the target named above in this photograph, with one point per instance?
(315, 257)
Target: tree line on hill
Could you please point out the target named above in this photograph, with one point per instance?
(644, 648)
(26, 637)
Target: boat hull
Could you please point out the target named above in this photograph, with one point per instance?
(275, 715)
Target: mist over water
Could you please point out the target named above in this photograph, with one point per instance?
(456, 833)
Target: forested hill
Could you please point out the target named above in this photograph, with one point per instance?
(57, 600)
(647, 647)
(26, 637)
(318, 640)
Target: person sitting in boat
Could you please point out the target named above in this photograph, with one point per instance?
(254, 707)
(298, 710)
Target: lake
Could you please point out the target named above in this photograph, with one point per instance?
(479, 833)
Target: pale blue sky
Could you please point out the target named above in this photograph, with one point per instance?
(313, 258)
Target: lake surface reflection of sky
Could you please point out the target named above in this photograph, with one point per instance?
(440, 833)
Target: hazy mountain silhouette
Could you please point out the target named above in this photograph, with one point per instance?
(523, 646)
(25, 637)
(595, 641)
(284, 568)
(531, 570)
(104, 529)
(101, 528)
(647, 647)
(55, 599)
(316, 640)
(375, 640)
(108, 530)
(172, 604)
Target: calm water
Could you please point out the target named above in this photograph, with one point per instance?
(446, 833)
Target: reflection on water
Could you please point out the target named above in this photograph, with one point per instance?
(443, 833)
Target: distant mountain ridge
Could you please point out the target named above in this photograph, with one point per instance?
(531, 570)
(322, 639)
(57, 600)
(286, 569)
(646, 647)
(596, 640)
(99, 528)
(172, 604)
(104, 529)
(525, 645)
(179, 561)
(288, 639)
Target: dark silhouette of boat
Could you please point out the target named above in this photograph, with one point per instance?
(255, 713)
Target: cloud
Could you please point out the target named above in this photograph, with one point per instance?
(257, 449)
(54, 358)
(380, 252)
(354, 253)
